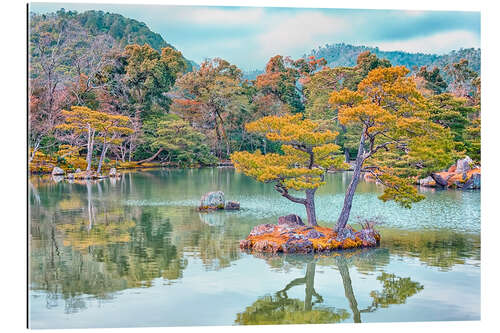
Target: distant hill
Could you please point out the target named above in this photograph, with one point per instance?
(342, 54)
(345, 55)
(124, 30)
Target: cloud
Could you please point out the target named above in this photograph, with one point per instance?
(299, 32)
(414, 13)
(437, 43)
(249, 36)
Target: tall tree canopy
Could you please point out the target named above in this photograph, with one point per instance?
(319, 86)
(208, 96)
(281, 79)
(397, 136)
(308, 152)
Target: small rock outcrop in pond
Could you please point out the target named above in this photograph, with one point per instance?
(57, 171)
(212, 200)
(215, 200)
(462, 175)
(232, 205)
(290, 235)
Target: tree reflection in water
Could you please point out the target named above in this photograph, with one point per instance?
(99, 249)
(280, 309)
(88, 242)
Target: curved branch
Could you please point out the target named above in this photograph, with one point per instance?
(284, 192)
(149, 159)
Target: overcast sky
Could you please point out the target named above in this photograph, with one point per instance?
(249, 36)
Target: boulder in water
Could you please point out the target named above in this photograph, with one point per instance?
(232, 205)
(212, 200)
(441, 178)
(473, 182)
(427, 181)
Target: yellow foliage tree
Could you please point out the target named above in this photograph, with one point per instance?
(308, 152)
(398, 140)
(95, 126)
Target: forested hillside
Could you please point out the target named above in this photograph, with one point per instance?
(345, 55)
(123, 30)
(100, 94)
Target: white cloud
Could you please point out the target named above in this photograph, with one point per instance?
(302, 31)
(414, 13)
(437, 43)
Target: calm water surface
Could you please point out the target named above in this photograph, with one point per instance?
(135, 252)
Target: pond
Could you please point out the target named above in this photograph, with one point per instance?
(134, 252)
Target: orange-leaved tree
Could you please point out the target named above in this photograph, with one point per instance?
(308, 152)
(397, 138)
(207, 96)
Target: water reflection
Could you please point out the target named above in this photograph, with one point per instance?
(280, 309)
(93, 241)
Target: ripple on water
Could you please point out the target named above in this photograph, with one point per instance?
(454, 210)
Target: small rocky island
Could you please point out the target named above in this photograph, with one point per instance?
(59, 174)
(215, 201)
(463, 175)
(291, 235)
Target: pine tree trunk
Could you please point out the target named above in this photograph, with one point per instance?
(310, 208)
(346, 209)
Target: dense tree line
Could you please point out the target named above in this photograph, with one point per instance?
(342, 54)
(168, 111)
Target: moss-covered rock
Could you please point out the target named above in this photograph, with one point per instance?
(295, 238)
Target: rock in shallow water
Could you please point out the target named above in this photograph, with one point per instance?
(212, 200)
(473, 183)
(428, 181)
(232, 205)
